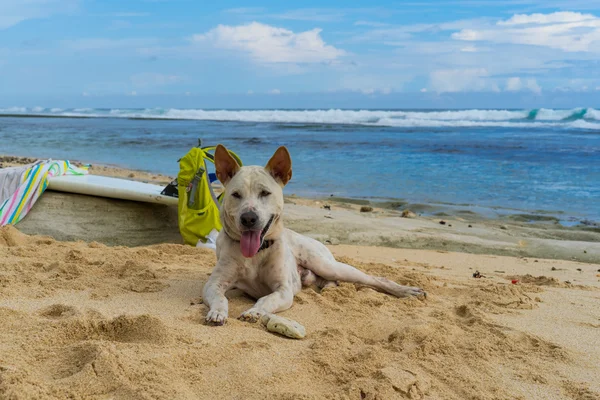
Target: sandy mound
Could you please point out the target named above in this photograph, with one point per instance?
(538, 280)
(10, 236)
(84, 320)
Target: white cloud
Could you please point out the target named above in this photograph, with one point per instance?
(371, 23)
(151, 79)
(13, 12)
(514, 84)
(567, 31)
(365, 81)
(397, 35)
(372, 91)
(321, 14)
(533, 86)
(269, 44)
(462, 80)
(577, 86)
(469, 49)
(275, 91)
(560, 17)
(250, 92)
(311, 14)
(423, 90)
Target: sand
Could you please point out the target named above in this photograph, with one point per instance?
(82, 319)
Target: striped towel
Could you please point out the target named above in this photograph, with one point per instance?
(33, 183)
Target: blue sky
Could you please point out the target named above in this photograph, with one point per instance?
(187, 53)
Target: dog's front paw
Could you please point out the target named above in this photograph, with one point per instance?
(252, 315)
(216, 317)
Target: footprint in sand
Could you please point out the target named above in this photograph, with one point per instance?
(143, 328)
(58, 311)
(408, 383)
(73, 359)
(125, 329)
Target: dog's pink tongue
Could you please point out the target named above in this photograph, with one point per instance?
(250, 243)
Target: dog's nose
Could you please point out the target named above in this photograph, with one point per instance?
(249, 219)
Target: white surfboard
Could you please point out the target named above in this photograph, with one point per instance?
(115, 188)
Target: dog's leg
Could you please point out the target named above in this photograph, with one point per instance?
(324, 283)
(315, 256)
(213, 295)
(280, 300)
(309, 278)
(332, 270)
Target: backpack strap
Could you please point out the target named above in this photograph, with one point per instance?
(211, 157)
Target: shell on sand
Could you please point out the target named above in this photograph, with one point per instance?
(283, 326)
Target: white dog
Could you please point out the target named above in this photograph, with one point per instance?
(257, 255)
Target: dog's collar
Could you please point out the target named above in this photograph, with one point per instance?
(265, 245)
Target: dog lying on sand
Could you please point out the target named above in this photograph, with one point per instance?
(257, 255)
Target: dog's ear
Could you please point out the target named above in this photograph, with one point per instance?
(280, 166)
(225, 165)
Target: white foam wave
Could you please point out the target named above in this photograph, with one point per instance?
(450, 118)
(11, 110)
(415, 123)
(546, 114)
(336, 116)
(470, 115)
(592, 113)
(582, 124)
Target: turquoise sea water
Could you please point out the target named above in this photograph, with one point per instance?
(492, 160)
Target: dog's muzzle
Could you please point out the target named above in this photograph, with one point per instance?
(252, 239)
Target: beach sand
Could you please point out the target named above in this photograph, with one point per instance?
(106, 304)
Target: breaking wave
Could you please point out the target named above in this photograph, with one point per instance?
(579, 118)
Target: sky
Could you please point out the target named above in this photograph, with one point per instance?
(309, 54)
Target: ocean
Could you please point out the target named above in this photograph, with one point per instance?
(494, 162)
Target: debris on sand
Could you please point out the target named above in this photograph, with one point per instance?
(408, 214)
(283, 326)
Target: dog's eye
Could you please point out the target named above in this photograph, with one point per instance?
(264, 193)
(236, 195)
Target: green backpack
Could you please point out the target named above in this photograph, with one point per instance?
(198, 207)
